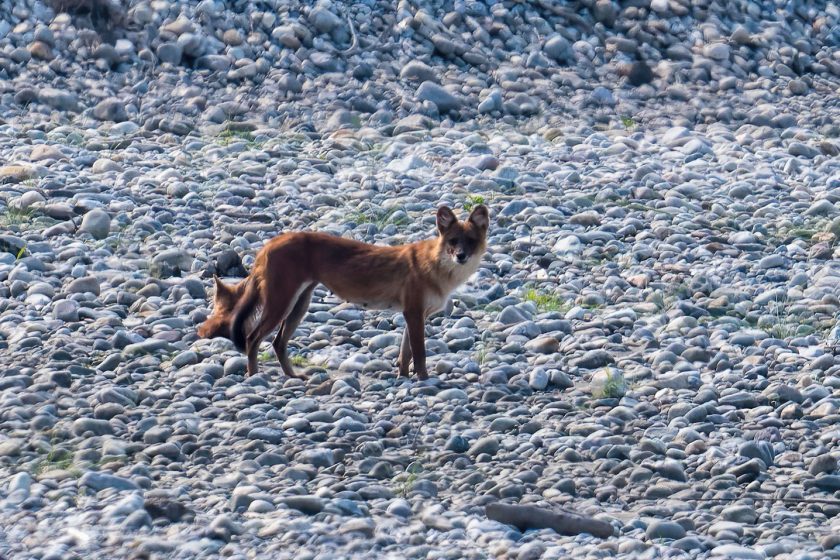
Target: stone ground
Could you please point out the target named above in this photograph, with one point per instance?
(650, 339)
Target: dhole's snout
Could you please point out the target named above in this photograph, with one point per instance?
(224, 302)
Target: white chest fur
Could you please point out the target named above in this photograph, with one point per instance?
(458, 274)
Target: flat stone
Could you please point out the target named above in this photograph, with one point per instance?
(310, 505)
(445, 101)
(665, 530)
(488, 444)
(100, 481)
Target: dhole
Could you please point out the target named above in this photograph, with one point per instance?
(416, 279)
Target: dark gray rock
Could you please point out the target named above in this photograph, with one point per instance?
(111, 109)
(445, 101)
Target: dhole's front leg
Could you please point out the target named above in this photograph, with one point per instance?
(414, 320)
(404, 360)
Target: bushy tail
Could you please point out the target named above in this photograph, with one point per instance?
(244, 312)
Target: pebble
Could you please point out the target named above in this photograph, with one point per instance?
(665, 530)
(97, 222)
(442, 99)
(100, 481)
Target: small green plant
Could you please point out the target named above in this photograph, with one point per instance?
(74, 139)
(472, 201)
(56, 459)
(21, 253)
(413, 471)
(592, 262)
(125, 237)
(375, 151)
(609, 383)
(480, 355)
(590, 303)
(628, 122)
(611, 389)
(380, 218)
(546, 302)
(300, 360)
(13, 216)
(782, 324)
(804, 233)
(229, 136)
(264, 356)
(658, 299)
(683, 292)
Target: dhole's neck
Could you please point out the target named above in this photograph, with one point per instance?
(441, 268)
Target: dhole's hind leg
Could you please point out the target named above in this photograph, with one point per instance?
(287, 329)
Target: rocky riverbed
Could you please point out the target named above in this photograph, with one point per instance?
(650, 339)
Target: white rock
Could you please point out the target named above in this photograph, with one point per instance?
(538, 379)
(717, 51)
(569, 245)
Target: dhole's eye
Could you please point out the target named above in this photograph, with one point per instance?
(453, 242)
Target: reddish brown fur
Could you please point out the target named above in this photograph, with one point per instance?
(416, 278)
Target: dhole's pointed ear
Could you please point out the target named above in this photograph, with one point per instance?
(480, 217)
(221, 288)
(445, 219)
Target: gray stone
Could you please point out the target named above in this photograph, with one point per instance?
(418, 71)
(111, 109)
(96, 222)
(317, 457)
(803, 150)
(97, 427)
(593, 359)
(640, 73)
(736, 552)
(558, 48)
(85, 284)
(58, 99)
(488, 444)
(605, 12)
(170, 52)
(453, 394)
(717, 51)
(324, 20)
(445, 101)
(213, 62)
(664, 530)
(268, 435)
(100, 481)
(309, 505)
(66, 310)
(740, 514)
(538, 379)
